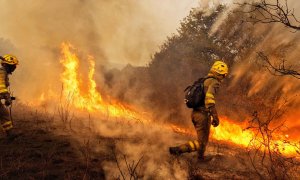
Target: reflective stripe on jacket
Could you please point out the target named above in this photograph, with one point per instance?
(3, 81)
(211, 86)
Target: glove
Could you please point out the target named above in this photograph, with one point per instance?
(7, 98)
(215, 121)
(7, 102)
(214, 114)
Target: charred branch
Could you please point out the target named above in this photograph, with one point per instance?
(272, 11)
(132, 168)
(280, 68)
(270, 163)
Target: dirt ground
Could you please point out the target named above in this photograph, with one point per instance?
(47, 148)
(44, 150)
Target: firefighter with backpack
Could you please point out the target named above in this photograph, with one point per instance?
(201, 97)
(8, 65)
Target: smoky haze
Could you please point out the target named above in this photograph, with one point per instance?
(121, 32)
(188, 56)
(114, 32)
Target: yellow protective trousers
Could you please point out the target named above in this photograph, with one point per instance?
(202, 122)
(5, 121)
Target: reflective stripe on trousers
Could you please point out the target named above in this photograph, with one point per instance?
(7, 125)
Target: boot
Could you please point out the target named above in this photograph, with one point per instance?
(202, 158)
(175, 151)
(188, 147)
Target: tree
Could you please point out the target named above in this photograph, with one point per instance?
(265, 149)
(280, 68)
(272, 11)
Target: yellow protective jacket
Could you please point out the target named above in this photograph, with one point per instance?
(211, 86)
(4, 83)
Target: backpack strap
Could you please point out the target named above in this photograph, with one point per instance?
(210, 77)
(186, 88)
(200, 79)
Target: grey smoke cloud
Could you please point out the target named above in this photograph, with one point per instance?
(116, 32)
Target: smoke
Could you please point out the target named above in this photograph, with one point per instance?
(135, 141)
(240, 43)
(277, 42)
(120, 32)
(114, 32)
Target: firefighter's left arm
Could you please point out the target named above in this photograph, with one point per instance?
(213, 112)
(212, 90)
(4, 83)
(210, 101)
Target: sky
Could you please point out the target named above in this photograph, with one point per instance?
(115, 32)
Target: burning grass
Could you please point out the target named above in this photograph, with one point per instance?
(135, 123)
(91, 100)
(93, 140)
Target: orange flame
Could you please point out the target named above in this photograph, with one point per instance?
(93, 101)
(233, 132)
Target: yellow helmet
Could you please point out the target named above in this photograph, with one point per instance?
(10, 59)
(219, 67)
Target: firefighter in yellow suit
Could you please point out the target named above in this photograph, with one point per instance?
(8, 65)
(205, 116)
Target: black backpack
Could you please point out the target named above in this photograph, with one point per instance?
(194, 94)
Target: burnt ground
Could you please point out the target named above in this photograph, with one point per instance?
(51, 149)
(45, 150)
